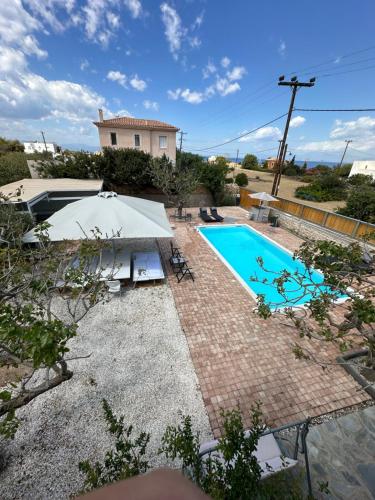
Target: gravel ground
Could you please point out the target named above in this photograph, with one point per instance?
(139, 362)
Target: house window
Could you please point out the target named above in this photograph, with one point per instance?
(162, 141)
(113, 139)
(137, 140)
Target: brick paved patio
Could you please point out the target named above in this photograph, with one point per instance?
(240, 358)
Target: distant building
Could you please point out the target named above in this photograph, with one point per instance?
(271, 163)
(211, 159)
(363, 167)
(151, 136)
(41, 147)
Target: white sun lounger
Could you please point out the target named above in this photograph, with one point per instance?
(268, 455)
(114, 264)
(147, 266)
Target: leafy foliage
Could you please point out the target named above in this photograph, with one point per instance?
(250, 162)
(324, 318)
(327, 187)
(10, 146)
(127, 459)
(213, 175)
(241, 179)
(176, 182)
(32, 334)
(360, 204)
(13, 167)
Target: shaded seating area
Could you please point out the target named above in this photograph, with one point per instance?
(119, 220)
(179, 264)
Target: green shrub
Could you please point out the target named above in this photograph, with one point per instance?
(10, 145)
(360, 204)
(229, 180)
(241, 179)
(250, 162)
(326, 187)
(212, 176)
(13, 167)
(360, 180)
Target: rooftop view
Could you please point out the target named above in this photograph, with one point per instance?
(187, 250)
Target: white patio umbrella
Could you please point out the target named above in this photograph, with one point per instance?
(118, 217)
(263, 196)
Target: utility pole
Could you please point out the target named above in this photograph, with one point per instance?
(44, 140)
(180, 148)
(294, 84)
(348, 141)
(237, 155)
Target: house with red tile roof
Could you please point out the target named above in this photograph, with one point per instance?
(151, 136)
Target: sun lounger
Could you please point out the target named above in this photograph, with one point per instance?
(215, 215)
(147, 266)
(204, 215)
(268, 455)
(114, 264)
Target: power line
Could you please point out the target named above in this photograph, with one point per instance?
(336, 110)
(242, 135)
(346, 72)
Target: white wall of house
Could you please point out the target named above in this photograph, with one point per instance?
(363, 167)
(40, 147)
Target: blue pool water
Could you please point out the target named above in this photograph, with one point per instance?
(240, 246)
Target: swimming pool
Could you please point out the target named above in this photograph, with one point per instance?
(239, 246)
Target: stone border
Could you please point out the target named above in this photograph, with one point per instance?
(354, 373)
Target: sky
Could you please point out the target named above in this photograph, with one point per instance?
(209, 67)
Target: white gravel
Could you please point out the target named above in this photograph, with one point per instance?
(140, 363)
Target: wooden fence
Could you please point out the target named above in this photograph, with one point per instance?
(335, 222)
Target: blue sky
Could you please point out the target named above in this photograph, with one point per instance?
(208, 67)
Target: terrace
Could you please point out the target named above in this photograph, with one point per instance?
(240, 358)
(195, 347)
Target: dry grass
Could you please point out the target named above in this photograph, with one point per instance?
(287, 188)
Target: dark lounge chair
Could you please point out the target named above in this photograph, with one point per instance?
(184, 271)
(204, 215)
(215, 215)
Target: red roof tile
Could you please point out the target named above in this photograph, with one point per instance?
(126, 122)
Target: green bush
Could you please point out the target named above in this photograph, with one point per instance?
(360, 204)
(326, 187)
(241, 179)
(10, 145)
(13, 167)
(229, 180)
(360, 180)
(250, 162)
(212, 176)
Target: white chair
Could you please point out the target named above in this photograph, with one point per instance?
(114, 286)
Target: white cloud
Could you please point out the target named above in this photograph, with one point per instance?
(117, 76)
(321, 146)
(224, 87)
(236, 73)
(174, 94)
(84, 65)
(362, 127)
(192, 97)
(113, 20)
(138, 84)
(16, 28)
(198, 21)
(225, 62)
(297, 121)
(282, 48)
(194, 42)
(174, 31)
(151, 105)
(26, 95)
(135, 7)
(209, 69)
(269, 133)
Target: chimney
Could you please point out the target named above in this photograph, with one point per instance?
(100, 115)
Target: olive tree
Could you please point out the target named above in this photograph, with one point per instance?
(175, 181)
(338, 309)
(42, 299)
